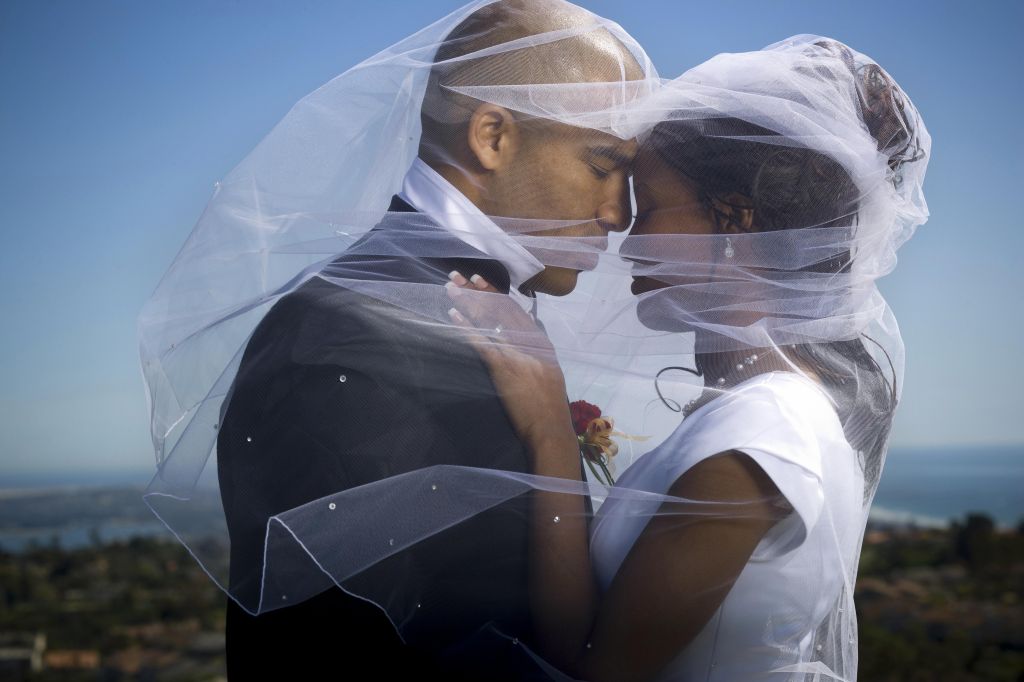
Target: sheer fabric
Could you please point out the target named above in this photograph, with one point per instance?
(318, 419)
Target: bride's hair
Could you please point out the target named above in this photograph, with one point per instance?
(736, 163)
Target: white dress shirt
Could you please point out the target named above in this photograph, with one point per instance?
(426, 191)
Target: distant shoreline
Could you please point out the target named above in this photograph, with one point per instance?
(38, 480)
(925, 487)
(899, 518)
(15, 493)
(928, 486)
(43, 481)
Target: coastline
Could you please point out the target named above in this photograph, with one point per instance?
(925, 488)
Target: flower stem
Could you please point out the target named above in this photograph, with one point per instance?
(594, 471)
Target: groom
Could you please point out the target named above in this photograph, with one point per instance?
(294, 431)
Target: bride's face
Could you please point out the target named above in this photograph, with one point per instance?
(667, 203)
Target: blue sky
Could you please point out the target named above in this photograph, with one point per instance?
(116, 118)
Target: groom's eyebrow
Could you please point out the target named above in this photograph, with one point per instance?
(614, 154)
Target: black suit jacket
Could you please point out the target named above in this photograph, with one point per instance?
(414, 396)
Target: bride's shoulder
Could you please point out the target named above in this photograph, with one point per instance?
(782, 382)
(782, 413)
(776, 411)
(785, 395)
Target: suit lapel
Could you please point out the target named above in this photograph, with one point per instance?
(493, 272)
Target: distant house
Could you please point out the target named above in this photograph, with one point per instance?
(21, 654)
(72, 659)
(135, 659)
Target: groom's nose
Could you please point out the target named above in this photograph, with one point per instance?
(613, 216)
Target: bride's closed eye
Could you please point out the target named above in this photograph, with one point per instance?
(642, 211)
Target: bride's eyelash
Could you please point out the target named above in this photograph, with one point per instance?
(601, 173)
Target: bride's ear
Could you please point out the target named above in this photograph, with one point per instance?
(733, 213)
(493, 136)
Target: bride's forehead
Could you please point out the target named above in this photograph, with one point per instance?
(651, 171)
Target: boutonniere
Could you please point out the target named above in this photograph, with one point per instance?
(594, 432)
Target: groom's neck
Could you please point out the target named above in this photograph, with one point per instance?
(470, 185)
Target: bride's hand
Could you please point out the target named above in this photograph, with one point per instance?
(519, 356)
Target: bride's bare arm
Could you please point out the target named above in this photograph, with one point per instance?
(681, 568)
(677, 573)
(563, 593)
(526, 375)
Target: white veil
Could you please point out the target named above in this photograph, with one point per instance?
(301, 231)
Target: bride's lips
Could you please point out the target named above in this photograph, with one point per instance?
(642, 285)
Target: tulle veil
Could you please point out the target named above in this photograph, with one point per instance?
(311, 209)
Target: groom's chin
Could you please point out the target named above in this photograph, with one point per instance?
(554, 281)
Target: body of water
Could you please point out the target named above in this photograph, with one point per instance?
(927, 487)
(934, 485)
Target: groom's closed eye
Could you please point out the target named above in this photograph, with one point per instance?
(606, 159)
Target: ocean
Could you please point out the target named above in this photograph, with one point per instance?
(931, 486)
(927, 487)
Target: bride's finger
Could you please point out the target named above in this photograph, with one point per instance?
(482, 284)
(473, 310)
(507, 361)
(460, 320)
(456, 277)
(476, 281)
(491, 310)
(488, 350)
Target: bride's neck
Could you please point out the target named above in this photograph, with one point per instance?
(736, 366)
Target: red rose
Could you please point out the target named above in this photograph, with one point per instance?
(582, 414)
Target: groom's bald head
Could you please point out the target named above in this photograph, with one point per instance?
(583, 56)
(522, 164)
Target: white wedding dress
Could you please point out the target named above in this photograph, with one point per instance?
(789, 426)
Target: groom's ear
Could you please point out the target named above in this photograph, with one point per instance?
(494, 136)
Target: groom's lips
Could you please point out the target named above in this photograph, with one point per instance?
(589, 260)
(582, 260)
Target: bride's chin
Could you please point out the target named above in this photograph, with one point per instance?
(642, 285)
(653, 310)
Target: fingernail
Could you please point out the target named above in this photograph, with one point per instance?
(455, 314)
(456, 277)
(478, 281)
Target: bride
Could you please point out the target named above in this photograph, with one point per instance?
(771, 193)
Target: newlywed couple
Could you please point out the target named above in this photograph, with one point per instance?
(771, 189)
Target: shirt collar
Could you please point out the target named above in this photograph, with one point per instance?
(428, 192)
